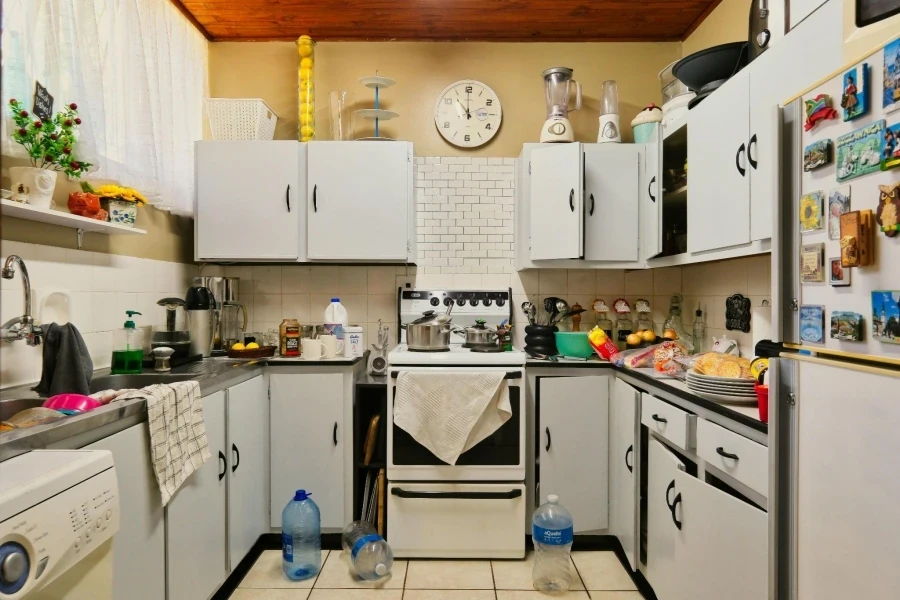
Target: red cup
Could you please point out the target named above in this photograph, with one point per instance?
(762, 395)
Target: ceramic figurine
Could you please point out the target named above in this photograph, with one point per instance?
(846, 326)
(889, 209)
(817, 154)
(838, 276)
(886, 316)
(855, 95)
(838, 204)
(890, 150)
(811, 268)
(859, 152)
(811, 211)
(891, 77)
(812, 323)
(818, 109)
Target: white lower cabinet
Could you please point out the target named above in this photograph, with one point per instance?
(574, 447)
(307, 439)
(623, 476)
(662, 467)
(139, 548)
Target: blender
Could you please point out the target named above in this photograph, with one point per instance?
(557, 84)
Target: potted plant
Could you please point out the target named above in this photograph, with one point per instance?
(49, 145)
(121, 203)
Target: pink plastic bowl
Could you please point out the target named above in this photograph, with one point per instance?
(72, 402)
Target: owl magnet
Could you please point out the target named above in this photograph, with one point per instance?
(888, 214)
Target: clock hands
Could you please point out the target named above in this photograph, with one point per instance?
(466, 108)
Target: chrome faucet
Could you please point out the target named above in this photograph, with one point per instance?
(22, 327)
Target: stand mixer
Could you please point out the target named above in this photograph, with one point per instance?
(557, 82)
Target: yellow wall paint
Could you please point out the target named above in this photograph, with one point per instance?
(268, 70)
(726, 23)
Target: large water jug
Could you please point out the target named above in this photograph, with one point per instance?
(336, 318)
(552, 532)
(370, 556)
(301, 537)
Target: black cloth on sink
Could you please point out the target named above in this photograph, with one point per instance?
(67, 367)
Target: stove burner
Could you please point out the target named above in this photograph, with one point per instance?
(491, 348)
(429, 350)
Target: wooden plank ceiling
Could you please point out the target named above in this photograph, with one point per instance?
(448, 20)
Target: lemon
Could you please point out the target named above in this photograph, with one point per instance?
(304, 139)
(305, 118)
(238, 346)
(305, 74)
(306, 63)
(306, 131)
(306, 85)
(252, 346)
(305, 50)
(306, 38)
(307, 107)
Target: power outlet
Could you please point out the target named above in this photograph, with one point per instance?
(406, 282)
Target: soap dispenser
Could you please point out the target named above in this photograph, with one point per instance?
(128, 347)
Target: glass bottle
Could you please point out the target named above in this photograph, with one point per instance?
(624, 324)
(673, 322)
(699, 331)
(644, 321)
(603, 320)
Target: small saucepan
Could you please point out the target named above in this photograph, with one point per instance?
(479, 335)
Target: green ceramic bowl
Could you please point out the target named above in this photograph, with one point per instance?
(573, 343)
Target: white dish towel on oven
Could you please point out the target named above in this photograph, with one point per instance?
(449, 413)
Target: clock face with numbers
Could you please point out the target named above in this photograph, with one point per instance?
(467, 113)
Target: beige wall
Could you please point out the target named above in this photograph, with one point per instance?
(424, 69)
(727, 23)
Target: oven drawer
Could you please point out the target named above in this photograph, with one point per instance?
(743, 459)
(456, 520)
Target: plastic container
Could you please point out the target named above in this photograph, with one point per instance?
(301, 537)
(573, 343)
(240, 119)
(370, 556)
(306, 48)
(71, 402)
(335, 318)
(128, 348)
(552, 534)
(762, 396)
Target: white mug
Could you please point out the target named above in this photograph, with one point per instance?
(311, 349)
(331, 346)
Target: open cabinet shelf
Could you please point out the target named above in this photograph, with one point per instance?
(56, 217)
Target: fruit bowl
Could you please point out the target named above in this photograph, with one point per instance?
(261, 352)
(573, 343)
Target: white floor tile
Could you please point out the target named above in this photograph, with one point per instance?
(449, 575)
(517, 574)
(602, 571)
(356, 595)
(267, 573)
(533, 595)
(616, 596)
(338, 573)
(268, 594)
(448, 595)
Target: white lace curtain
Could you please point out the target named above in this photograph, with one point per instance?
(137, 70)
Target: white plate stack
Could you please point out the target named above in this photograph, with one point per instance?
(721, 389)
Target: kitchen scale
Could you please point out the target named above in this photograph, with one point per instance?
(377, 114)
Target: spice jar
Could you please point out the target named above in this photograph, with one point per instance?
(289, 337)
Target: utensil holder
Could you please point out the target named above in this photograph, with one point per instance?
(540, 339)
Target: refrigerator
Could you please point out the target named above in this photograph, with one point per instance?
(835, 373)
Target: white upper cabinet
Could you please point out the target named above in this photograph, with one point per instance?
(250, 202)
(718, 178)
(650, 199)
(611, 198)
(557, 191)
(360, 197)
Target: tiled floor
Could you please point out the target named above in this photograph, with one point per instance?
(597, 575)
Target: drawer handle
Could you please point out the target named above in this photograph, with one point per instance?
(572, 199)
(334, 433)
(511, 494)
(669, 489)
(658, 419)
(650, 185)
(591, 213)
(315, 204)
(287, 197)
(674, 518)
(750, 146)
(547, 447)
(224, 465)
(237, 460)
(737, 160)
(721, 452)
(627, 452)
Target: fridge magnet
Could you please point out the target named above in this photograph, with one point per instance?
(859, 152)
(891, 100)
(856, 238)
(888, 214)
(817, 154)
(846, 326)
(886, 316)
(737, 313)
(838, 204)
(890, 151)
(812, 323)
(838, 276)
(811, 211)
(811, 268)
(818, 109)
(855, 97)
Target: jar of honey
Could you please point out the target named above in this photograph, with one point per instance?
(289, 337)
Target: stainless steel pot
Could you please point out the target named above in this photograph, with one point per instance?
(479, 335)
(430, 332)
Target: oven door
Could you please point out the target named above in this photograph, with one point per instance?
(499, 457)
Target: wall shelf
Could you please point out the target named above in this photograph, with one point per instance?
(55, 217)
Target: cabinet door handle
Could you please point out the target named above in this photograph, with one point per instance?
(315, 204)
(224, 465)
(287, 197)
(237, 460)
(649, 187)
(721, 452)
(669, 489)
(334, 433)
(627, 452)
(591, 213)
(674, 518)
(572, 199)
(547, 447)
(750, 146)
(737, 160)
(658, 419)
(510, 495)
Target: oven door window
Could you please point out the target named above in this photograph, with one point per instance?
(500, 448)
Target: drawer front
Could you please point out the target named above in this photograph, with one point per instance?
(719, 447)
(453, 520)
(667, 421)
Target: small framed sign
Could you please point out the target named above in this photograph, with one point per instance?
(43, 102)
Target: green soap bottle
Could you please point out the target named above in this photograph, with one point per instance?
(128, 347)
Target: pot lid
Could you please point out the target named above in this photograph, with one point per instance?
(478, 326)
(428, 316)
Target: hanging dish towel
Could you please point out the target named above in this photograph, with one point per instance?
(449, 413)
(178, 444)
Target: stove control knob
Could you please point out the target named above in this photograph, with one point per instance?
(435, 301)
(460, 301)
(500, 301)
(448, 301)
(474, 302)
(488, 301)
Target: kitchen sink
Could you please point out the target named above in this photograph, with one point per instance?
(12, 406)
(136, 381)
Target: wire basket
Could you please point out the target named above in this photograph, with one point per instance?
(240, 119)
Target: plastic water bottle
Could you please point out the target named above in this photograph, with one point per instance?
(551, 531)
(371, 556)
(336, 318)
(301, 537)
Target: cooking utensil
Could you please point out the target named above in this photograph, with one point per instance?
(479, 335)
(550, 309)
(529, 310)
(430, 332)
(704, 71)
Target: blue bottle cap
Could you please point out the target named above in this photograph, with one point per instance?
(302, 495)
(335, 299)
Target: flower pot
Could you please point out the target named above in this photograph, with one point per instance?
(123, 213)
(40, 182)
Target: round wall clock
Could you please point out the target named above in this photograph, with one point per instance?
(467, 113)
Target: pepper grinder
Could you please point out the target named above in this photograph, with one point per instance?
(576, 318)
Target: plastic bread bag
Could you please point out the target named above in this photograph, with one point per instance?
(637, 357)
(602, 345)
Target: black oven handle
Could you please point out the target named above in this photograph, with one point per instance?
(509, 375)
(400, 492)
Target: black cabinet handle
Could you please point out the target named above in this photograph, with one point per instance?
(237, 461)
(658, 419)
(649, 187)
(721, 452)
(224, 465)
(572, 199)
(591, 213)
(674, 518)
(511, 494)
(750, 146)
(737, 160)
(287, 197)
(669, 489)
(547, 447)
(334, 433)
(627, 452)
(315, 204)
